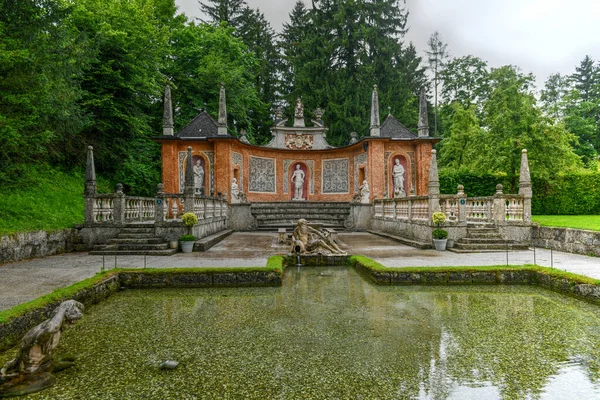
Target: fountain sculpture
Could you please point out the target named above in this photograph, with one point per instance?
(308, 240)
(31, 370)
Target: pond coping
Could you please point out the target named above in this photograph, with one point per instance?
(16, 321)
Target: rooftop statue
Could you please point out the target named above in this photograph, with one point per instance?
(310, 240)
(30, 371)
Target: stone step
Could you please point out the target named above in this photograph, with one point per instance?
(308, 217)
(290, 227)
(137, 230)
(113, 252)
(483, 234)
(135, 246)
(483, 240)
(285, 213)
(149, 224)
(209, 241)
(300, 204)
(153, 240)
(475, 247)
(409, 242)
(135, 236)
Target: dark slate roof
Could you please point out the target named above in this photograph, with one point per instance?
(202, 126)
(394, 129)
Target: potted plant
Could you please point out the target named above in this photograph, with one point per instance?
(439, 235)
(187, 243)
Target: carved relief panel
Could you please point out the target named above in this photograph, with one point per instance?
(262, 175)
(336, 177)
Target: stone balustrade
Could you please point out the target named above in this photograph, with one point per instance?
(499, 209)
(117, 208)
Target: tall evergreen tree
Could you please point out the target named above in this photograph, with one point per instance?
(587, 79)
(437, 54)
(229, 11)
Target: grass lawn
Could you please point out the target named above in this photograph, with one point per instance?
(50, 200)
(589, 222)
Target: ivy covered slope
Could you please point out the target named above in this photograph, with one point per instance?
(47, 199)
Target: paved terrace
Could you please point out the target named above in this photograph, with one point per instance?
(27, 280)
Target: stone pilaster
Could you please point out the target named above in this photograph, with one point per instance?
(499, 210)
(159, 203)
(525, 186)
(168, 113)
(461, 199)
(375, 128)
(222, 128)
(188, 191)
(119, 205)
(423, 116)
(89, 192)
(434, 184)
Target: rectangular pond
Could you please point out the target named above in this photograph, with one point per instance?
(327, 334)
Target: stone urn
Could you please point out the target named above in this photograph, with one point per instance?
(440, 244)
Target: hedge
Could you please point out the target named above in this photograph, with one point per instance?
(567, 194)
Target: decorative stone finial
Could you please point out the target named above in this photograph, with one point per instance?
(461, 190)
(353, 138)
(244, 136)
(160, 188)
(318, 114)
(423, 116)
(524, 176)
(299, 114)
(119, 188)
(278, 114)
(90, 173)
(168, 113)
(434, 181)
(375, 128)
(222, 128)
(499, 188)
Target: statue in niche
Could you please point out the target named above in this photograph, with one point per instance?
(235, 191)
(30, 371)
(299, 110)
(365, 192)
(398, 175)
(198, 177)
(309, 240)
(298, 181)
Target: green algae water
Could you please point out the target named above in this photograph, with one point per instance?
(328, 334)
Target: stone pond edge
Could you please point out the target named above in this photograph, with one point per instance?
(16, 321)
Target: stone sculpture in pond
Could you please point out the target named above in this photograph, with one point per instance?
(309, 240)
(30, 371)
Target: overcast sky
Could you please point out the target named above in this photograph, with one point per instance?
(540, 36)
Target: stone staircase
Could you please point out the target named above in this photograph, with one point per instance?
(135, 239)
(484, 237)
(272, 216)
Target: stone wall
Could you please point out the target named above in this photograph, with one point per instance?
(21, 246)
(264, 174)
(569, 240)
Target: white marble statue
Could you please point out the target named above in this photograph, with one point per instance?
(398, 174)
(298, 181)
(365, 192)
(299, 110)
(198, 177)
(235, 191)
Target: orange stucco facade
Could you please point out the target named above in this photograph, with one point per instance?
(332, 175)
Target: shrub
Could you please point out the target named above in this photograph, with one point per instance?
(438, 218)
(439, 234)
(189, 219)
(187, 238)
